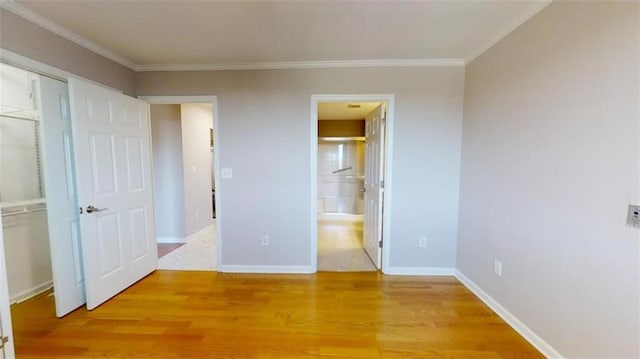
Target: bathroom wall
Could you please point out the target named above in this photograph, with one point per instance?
(340, 128)
(340, 192)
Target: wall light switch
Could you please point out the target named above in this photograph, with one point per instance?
(633, 216)
(497, 267)
(227, 173)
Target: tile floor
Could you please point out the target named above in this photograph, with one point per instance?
(340, 245)
(339, 248)
(197, 254)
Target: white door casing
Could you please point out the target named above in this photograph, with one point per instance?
(374, 174)
(6, 332)
(62, 205)
(111, 135)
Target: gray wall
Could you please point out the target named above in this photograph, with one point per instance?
(196, 155)
(27, 39)
(265, 137)
(166, 135)
(550, 162)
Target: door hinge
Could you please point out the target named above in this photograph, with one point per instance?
(380, 244)
(381, 183)
(3, 340)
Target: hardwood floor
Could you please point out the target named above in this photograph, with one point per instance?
(337, 315)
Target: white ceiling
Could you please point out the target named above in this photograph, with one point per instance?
(143, 33)
(342, 111)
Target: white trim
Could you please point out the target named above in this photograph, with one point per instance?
(12, 6)
(289, 65)
(534, 339)
(265, 269)
(25, 63)
(527, 14)
(430, 271)
(31, 292)
(216, 154)
(5, 311)
(388, 163)
(171, 239)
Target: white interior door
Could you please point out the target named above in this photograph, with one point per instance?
(6, 333)
(373, 168)
(62, 204)
(113, 164)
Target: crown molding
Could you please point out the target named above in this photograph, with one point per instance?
(527, 14)
(293, 65)
(12, 6)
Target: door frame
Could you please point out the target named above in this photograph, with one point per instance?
(5, 312)
(213, 100)
(388, 165)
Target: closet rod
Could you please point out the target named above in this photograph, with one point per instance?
(20, 118)
(24, 211)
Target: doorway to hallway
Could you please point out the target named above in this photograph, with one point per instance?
(184, 170)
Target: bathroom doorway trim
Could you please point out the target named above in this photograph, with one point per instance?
(389, 99)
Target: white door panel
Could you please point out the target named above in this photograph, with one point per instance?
(374, 165)
(62, 205)
(111, 134)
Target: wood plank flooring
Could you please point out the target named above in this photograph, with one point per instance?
(213, 315)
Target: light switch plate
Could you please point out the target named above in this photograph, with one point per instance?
(227, 173)
(633, 216)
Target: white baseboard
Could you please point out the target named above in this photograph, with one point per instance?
(545, 348)
(184, 239)
(435, 271)
(30, 293)
(264, 269)
(171, 240)
(200, 232)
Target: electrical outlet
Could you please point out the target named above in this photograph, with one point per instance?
(633, 216)
(197, 214)
(422, 242)
(497, 267)
(227, 173)
(265, 239)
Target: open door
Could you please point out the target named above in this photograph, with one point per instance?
(6, 333)
(113, 167)
(62, 205)
(373, 186)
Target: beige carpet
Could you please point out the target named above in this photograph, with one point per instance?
(340, 246)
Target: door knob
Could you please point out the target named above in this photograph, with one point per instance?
(91, 209)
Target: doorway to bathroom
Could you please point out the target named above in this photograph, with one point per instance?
(349, 173)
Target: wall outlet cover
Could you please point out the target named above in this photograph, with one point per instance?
(422, 242)
(633, 216)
